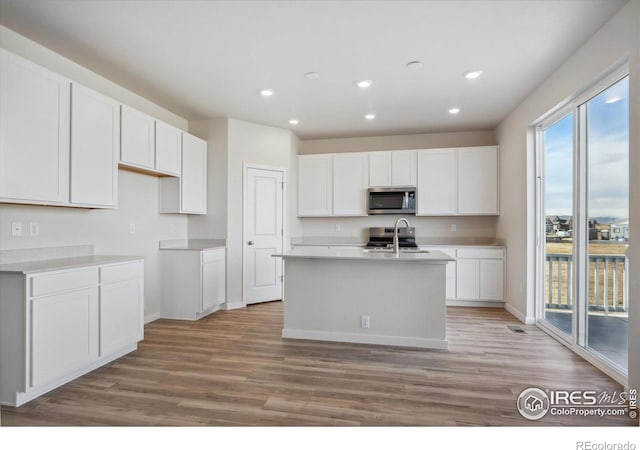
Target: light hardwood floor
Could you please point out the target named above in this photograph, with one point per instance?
(233, 368)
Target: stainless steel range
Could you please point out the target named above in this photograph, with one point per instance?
(382, 237)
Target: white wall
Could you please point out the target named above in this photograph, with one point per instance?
(617, 39)
(138, 202)
(398, 142)
(425, 226)
(256, 144)
(214, 223)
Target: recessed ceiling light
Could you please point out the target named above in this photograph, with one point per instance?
(472, 74)
(294, 121)
(454, 111)
(370, 116)
(613, 99)
(363, 84)
(267, 92)
(414, 65)
(312, 75)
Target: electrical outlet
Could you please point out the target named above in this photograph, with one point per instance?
(34, 229)
(16, 229)
(453, 227)
(365, 321)
(132, 228)
(172, 228)
(337, 227)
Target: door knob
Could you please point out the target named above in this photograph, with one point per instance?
(250, 243)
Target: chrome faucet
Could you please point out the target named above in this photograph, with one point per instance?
(396, 241)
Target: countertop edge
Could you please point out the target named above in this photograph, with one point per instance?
(40, 266)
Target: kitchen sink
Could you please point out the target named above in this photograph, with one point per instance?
(390, 250)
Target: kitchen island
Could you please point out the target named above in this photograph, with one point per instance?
(372, 297)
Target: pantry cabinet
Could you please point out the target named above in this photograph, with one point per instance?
(34, 133)
(95, 144)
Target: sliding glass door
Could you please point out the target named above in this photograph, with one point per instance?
(583, 223)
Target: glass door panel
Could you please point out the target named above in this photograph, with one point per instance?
(607, 146)
(558, 163)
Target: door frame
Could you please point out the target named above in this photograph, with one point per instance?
(285, 231)
(574, 104)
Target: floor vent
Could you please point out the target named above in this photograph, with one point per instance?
(517, 329)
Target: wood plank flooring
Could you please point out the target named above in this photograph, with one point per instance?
(233, 368)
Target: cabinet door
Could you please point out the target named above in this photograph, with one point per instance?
(491, 279)
(478, 180)
(137, 146)
(34, 132)
(121, 321)
(213, 280)
(168, 145)
(64, 334)
(314, 185)
(437, 182)
(95, 142)
(467, 279)
(379, 169)
(193, 182)
(403, 168)
(350, 184)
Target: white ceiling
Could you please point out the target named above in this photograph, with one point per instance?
(204, 59)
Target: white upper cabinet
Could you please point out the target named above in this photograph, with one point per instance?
(137, 145)
(168, 145)
(350, 184)
(95, 143)
(34, 133)
(379, 169)
(392, 168)
(314, 185)
(403, 168)
(193, 190)
(478, 180)
(437, 182)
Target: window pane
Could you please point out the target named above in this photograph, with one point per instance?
(558, 205)
(608, 217)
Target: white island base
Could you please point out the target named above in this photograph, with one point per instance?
(330, 294)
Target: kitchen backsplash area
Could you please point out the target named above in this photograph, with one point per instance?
(440, 227)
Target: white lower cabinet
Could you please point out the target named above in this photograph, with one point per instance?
(193, 283)
(480, 274)
(58, 325)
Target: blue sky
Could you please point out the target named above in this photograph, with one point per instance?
(608, 157)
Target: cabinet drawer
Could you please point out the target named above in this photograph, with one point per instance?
(63, 281)
(121, 272)
(480, 253)
(213, 255)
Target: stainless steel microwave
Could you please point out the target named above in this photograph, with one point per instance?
(392, 200)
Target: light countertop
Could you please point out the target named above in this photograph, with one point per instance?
(192, 244)
(336, 253)
(343, 241)
(46, 265)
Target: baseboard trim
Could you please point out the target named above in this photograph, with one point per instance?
(518, 315)
(376, 339)
(476, 303)
(232, 305)
(148, 318)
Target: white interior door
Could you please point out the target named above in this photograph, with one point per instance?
(263, 234)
